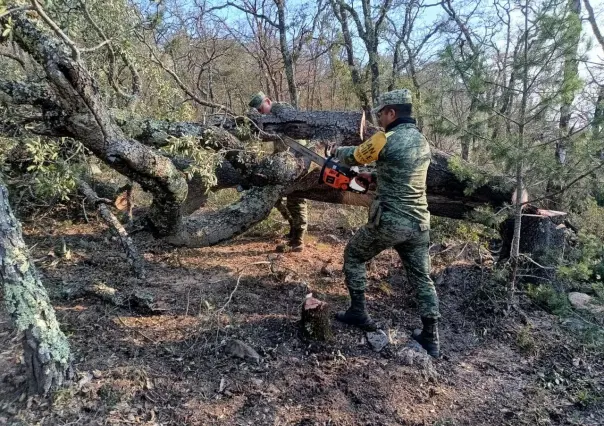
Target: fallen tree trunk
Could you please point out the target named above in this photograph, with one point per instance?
(446, 191)
(80, 113)
(207, 229)
(46, 349)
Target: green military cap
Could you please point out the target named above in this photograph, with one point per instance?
(395, 97)
(257, 100)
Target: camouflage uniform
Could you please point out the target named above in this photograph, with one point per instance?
(294, 210)
(399, 215)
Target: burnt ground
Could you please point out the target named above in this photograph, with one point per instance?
(170, 368)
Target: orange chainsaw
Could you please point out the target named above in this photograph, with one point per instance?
(333, 173)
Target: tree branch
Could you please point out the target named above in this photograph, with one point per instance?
(243, 9)
(182, 85)
(591, 16)
(136, 81)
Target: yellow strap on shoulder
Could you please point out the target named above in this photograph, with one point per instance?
(369, 151)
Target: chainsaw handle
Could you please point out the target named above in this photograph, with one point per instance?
(359, 184)
(328, 148)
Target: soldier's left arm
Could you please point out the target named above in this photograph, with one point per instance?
(366, 153)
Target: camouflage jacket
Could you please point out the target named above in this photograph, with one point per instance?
(402, 160)
(278, 108)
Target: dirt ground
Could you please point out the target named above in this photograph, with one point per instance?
(170, 368)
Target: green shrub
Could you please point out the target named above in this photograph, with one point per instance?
(443, 229)
(585, 261)
(546, 297)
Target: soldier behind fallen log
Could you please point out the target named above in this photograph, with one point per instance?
(398, 217)
(294, 210)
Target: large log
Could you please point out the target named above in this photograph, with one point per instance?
(447, 192)
(448, 195)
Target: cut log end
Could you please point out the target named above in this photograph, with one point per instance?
(315, 324)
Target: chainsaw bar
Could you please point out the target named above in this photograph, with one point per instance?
(302, 150)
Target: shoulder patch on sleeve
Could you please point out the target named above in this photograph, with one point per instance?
(369, 151)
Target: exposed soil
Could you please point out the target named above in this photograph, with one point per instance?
(170, 368)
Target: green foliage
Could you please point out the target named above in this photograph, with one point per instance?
(487, 217)
(526, 341)
(244, 131)
(204, 161)
(445, 229)
(546, 297)
(467, 173)
(590, 219)
(585, 262)
(52, 176)
(586, 397)
(7, 28)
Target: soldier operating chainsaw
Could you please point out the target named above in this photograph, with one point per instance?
(398, 217)
(294, 210)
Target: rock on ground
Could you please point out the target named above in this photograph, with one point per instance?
(238, 349)
(378, 340)
(584, 301)
(413, 354)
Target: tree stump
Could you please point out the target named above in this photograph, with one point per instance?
(543, 238)
(315, 324)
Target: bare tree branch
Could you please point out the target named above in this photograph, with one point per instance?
(136, 81)
(591, 16)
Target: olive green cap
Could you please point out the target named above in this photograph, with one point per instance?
(395, 97)
(257, 100)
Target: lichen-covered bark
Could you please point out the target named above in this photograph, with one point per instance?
(207, 229)
(156, 133)
(46, 349)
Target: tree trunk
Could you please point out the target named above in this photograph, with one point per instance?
(288, 61)
(46, 349)
(355, 75)
(543, 239)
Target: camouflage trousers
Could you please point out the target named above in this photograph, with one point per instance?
(411, 245)
(295, 211)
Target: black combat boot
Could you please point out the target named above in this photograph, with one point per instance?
(428, 337)
(357, 313)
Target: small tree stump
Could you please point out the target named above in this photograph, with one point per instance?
(315, 324)
(543, 238)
